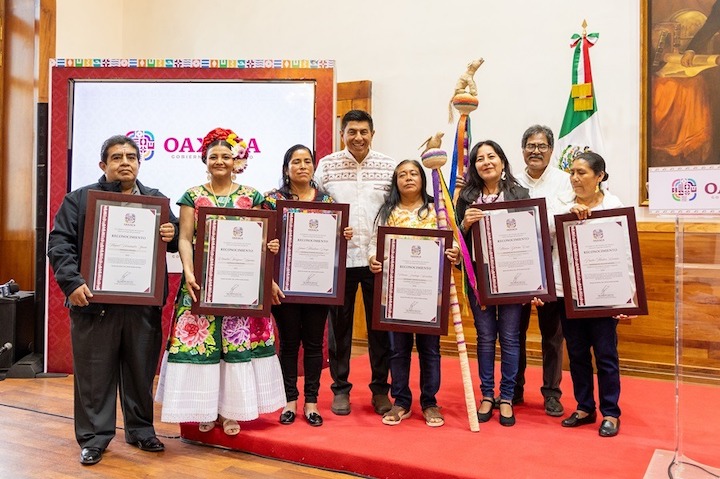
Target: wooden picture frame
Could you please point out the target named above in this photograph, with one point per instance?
(289, 215)
(600, 264)
(238, 253)
(519, 251)
(123, 256)
(434, 321)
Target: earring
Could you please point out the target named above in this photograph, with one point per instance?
(503, 176)
(597, 187)
(286, 180)
(209, 176)
(233, 176)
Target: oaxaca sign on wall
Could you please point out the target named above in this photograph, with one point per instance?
(685, 189)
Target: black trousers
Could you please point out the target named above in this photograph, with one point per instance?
(552, 348)
(117, 348)
(301, 323)
(340, 336)
(596, 336)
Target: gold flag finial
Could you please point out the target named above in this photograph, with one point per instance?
(584, 25)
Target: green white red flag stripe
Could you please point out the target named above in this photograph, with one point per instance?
(580, 129)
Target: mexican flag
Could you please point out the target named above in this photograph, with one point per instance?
(580, 128)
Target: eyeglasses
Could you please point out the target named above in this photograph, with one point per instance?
(530, 147)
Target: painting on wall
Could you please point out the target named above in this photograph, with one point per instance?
(681, 84)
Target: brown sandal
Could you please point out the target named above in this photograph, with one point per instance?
(395, 415)
(432, 416)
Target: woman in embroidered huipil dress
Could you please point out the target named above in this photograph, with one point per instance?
(217, 369)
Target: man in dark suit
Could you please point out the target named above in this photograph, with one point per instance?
(114, 345)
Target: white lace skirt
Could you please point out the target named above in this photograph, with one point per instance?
(200, 392)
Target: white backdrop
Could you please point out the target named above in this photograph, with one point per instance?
(269, 115)
(412, 50)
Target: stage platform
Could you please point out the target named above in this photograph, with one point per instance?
(537, 446)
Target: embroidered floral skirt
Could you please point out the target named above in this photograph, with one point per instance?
(218, 365)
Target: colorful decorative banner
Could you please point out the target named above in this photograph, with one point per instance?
(189, 63)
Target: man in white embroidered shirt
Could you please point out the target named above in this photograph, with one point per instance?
(543, 181)
(361, 177)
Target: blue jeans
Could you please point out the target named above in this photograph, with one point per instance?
(428, 346)
(491, 323)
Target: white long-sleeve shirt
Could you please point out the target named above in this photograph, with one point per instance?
(364, 186)
(552, 182)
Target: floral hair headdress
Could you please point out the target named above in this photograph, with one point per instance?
(237, 146)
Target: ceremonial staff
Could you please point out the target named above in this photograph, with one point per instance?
(465, 101)
(433, 159)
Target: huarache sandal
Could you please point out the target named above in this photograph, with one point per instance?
(395, 415)
(432, 416)
(206, 426)
(230, 427)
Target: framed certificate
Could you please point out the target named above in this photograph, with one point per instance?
(232, 263)
(513, 252)
(123, 257)
(412, 294)
(311, 265)
(600, 264)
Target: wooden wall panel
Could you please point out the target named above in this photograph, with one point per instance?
(353, 95)
(46, 44)
(17, 220)
(23, 34)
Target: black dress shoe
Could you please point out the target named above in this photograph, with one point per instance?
(608, 429)
(515, 401)
(314, 419)
(507, 420)
(151, 444)
(287, 417)
(485, 416)
(574, 420)
(90, 455)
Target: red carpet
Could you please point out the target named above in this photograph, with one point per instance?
(537, 446)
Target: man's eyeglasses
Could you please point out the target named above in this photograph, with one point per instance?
(530, 147)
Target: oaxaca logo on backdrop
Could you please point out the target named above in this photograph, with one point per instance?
(178, 147)
(145, 141)
(684, 189)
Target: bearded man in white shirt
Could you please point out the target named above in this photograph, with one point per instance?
(361, 177)
(543, 181)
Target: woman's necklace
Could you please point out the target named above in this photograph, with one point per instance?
(489, 198)
(226, 197)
